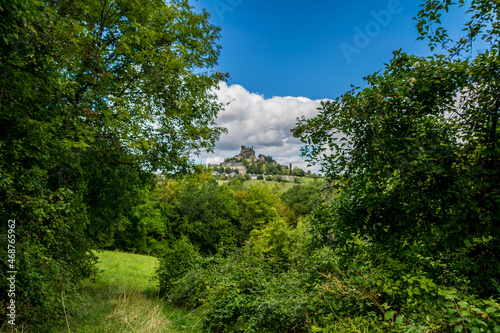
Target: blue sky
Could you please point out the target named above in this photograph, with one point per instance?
(304, 50)
(293, 48)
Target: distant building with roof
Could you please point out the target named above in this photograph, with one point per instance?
(242, 169)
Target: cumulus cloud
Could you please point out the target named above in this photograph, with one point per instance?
(261, 123)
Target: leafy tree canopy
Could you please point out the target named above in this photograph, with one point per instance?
(95, 96)
(414, 160)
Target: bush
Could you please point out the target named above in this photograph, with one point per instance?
(277, 178)
(241, 292)
(245, 290)
(178, 259)
(278, 243)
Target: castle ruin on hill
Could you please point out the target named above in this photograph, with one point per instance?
(236, 162)
(248, 154)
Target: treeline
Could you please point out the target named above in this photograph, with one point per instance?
(210, 215)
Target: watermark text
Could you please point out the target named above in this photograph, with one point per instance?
(11, 273)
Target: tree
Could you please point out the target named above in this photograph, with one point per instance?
(253, 169)
(257, 207)
(96, 96)
(303, 199)
(483, 17)
(414, 160)
(148, 228)
(277, 178)
(207, 214)
(298, 172)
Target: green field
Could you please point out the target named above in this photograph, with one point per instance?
(285, 186)
(124, 298)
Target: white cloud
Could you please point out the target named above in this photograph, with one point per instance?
(261, 123)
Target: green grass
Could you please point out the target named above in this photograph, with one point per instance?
(123, 297)
(256, 182)
(286, 186)
(307, 180)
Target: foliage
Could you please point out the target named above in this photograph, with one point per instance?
(413, 162)
(302, 200)
(278, 179)
(235, 184)
(241, 293)
(257, 207)
(298, 172)
(175, 262)
(269, 167)
(482, 22)
(207, 215)
(409, 241)
(96, 96)
(247, 290)
(411, 179)
(148, 229)
(278, 242)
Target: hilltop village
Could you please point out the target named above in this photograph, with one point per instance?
(253, 166)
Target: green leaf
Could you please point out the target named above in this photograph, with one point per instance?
(496, 329)
(458, 328)
(388, 315)
(399, 320)
(481, 322)
(491, 310)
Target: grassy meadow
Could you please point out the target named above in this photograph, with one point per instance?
(123, 297)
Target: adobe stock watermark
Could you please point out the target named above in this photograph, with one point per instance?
(373, 28)
(12, 271)
(223, 6)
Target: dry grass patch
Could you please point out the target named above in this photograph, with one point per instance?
(135, 312)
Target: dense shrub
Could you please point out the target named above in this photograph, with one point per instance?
(242, 292)
(249, 290)
(177, 259)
